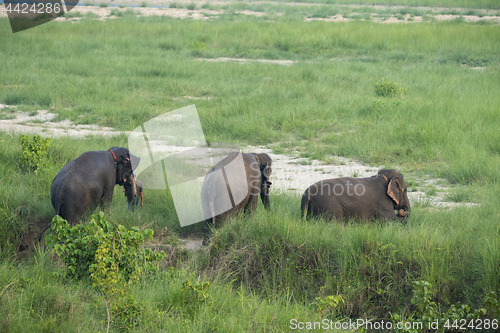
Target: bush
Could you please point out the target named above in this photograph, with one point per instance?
(386, 88)
(111, 257)
(456, 318)
(94, 249)
(33, 152)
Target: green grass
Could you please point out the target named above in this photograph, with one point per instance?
(266, 269)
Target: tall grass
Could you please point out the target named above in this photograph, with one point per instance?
(371, 265)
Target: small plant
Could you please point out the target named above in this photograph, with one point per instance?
(33, 152)
(475, 62)
(198, 291)
(83, 247)
(191, 6)
(144, 4)
(387, 88)
(328, 303)
(111, 257)
(429, 314)
(115, 12)
(191, 295)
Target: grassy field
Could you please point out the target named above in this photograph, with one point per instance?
(269, 269)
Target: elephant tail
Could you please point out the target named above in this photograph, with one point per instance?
(58, 207)
(305, 209)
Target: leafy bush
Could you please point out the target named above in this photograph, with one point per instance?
(111, 256)
(33, 152)
(474, 61)
(386, 88)
(86, 248)
(429, 314)
(328, 303)
(191, 296)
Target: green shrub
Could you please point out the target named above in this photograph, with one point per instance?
(387, 88)
(111, 257)
(92, 250)
(458, 315)
(472, 61)
(33, 152)
(325, 304)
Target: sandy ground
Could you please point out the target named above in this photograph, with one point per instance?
(103, 10)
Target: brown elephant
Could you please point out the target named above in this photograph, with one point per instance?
(358, 198)
(87, 181)
(233, 185)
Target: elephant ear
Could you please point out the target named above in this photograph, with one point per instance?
(393, 190)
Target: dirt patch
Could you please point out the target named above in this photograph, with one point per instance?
(192, 243)
(41, 122)
(241, 60)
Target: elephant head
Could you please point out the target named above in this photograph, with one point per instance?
(265, 169)
(397, 191)
(123, 166)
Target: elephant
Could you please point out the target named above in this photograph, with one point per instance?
(358, 198)
(232, 186)
(88, 181)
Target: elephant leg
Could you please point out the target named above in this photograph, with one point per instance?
(388, 213)
(209, 224)
(206, 232)
(251, 205)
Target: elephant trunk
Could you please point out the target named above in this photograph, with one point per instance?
(405, 207)
(264, 194)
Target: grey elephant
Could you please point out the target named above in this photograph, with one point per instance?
(87, 181)
(233, 186)
(358, 198)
